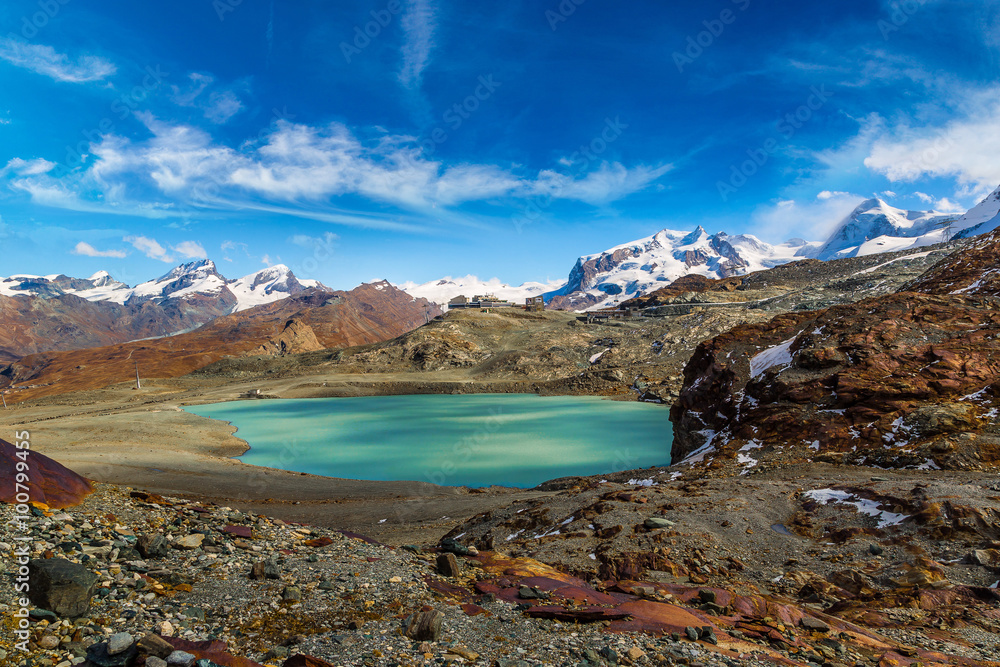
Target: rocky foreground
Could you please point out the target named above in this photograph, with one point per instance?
(131, 578)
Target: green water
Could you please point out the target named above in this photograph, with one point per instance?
(518, 440)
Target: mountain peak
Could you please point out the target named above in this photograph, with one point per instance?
(875, 226)
(201, 266)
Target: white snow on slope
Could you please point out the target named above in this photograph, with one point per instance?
(266, 286)
(196, 278)
(778, 355)
(876, 227)
(982, 218)
(631, 269)
(444, 290)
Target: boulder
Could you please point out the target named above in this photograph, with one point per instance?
(424, 626)
(60, 586)
(986, 558)
(152, 545)
(154, 645)
(265, 569)
(189, 542)
(447, 565)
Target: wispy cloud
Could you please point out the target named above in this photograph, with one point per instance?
(300, 170)
(27, 167)
(217, 105)
(87, 250)
(149, 247)
(45, 60)
(809, 219)
(610, 182)
(419, 23)
(190, 250)
(964, 147)
(306, 241)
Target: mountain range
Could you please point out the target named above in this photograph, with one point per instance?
(625, 271)
(56, 312)
(307, 321)
(186, 281)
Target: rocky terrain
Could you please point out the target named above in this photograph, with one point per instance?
(671, 571)
(307, 321)
(904, 380)
(759, 546)
(558, 352)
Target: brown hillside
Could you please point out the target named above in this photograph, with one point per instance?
(367, 314)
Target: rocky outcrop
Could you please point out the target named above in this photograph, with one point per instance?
(297, 337)
(48, 482)
(975, 270)
(906, 380)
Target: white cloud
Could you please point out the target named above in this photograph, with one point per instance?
(964, 147)
(150, 248)
(611, 181)
(419, 24)
(87, 250)
(297, 169)
(924, 197)
(222, 106)
(45, 60)
(945, 205)
(190, 250)
(28, 167)
(811, 220)
(889, 194)
(827, 194)
(266, 260)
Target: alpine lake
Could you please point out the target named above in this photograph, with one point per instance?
(474, 440)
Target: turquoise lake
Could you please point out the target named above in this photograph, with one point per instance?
(518, 440)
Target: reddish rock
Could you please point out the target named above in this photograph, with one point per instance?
(906, 367)
(318, 543)
(216, 651)
(49, 483)
(367, 314)
(239, 531)
(473, 609)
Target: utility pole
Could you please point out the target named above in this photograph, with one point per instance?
(137, 384)
(4, 400)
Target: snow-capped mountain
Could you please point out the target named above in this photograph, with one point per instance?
(187, 281)
(876, 227)
(268, 285)
(444, 290)
(983, 218)
(631, 269)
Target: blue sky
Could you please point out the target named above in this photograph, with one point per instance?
(411, 139)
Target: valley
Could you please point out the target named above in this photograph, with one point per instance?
(792, 490)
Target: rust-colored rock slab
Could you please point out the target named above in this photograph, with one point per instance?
(49, 482)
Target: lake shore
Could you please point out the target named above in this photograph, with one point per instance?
(146, 440)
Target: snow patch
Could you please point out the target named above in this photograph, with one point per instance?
(778, 355)
(868, 507)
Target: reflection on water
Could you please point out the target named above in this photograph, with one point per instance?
(457, 440)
